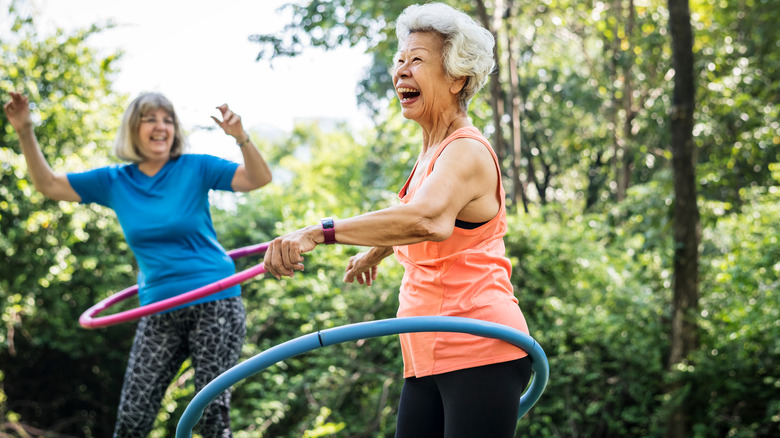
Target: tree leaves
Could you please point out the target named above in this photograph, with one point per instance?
(49, 270)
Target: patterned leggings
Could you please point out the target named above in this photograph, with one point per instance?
(211, 333)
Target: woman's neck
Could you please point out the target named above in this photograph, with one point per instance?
(435, 132)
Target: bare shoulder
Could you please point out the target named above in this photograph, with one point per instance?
(469, 152)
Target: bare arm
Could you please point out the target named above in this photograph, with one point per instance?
(52, 185)
(462, 185)
(254, 172)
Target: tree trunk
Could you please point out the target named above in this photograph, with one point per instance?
(518, 191)
(613, 118)
(492, 24)
(626, 167)
(685, 301)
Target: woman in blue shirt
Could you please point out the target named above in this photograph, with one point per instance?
(161, 201)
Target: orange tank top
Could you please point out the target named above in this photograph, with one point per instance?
(466, 275)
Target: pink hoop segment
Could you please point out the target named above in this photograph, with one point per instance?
(90, 320)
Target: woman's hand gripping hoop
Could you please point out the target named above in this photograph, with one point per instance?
(90, 320)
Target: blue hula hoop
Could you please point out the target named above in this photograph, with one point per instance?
(372, 329)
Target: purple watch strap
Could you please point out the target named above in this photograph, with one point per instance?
(328, 230)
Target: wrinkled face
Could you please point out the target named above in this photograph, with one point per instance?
(419, 77)
(156, 134)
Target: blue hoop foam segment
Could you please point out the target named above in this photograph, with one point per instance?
(372, 329)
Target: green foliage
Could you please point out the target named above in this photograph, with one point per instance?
(595, 288)
(598, 322)
(733, 378)
(738, 118)
(52, 253)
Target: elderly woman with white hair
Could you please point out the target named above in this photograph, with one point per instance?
(447, 232)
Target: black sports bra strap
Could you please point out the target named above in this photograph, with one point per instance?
(468, 225)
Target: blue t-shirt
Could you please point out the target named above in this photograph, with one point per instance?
(166, 221)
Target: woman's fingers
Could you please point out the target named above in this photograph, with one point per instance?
(231, 122)
(356, 270)
(283, 258)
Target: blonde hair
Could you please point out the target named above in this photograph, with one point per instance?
(468, 47)
(126, 145)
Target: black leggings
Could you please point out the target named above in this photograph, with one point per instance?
(470, 403)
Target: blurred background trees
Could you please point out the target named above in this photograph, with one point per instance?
(579, 112)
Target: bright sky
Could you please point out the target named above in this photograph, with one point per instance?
(197, 53)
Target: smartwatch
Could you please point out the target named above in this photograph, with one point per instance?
(328, 230)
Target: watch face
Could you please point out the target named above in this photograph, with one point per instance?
(327, 222)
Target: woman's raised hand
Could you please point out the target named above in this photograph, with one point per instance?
(18, 111)
(231, 123)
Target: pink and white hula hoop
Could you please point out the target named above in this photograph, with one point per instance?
(90, 320)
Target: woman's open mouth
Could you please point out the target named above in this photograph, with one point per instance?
(406, 94)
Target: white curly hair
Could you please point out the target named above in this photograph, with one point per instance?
(468, 46)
